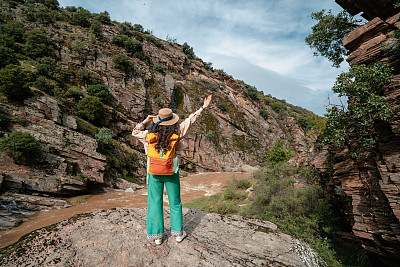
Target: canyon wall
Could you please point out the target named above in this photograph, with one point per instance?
(373, 183)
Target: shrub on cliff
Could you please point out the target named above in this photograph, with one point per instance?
(123, 63)
(278, 154)
(7, 56)
(188, 50)
(91, 108)
(37, 44)
(14, 29)
(89, 77)
(354, 125)
(96, 29)
(21, 145)
(126, 28)
(104, 136)
(159, 68)
(15, 81)
(327, 35)
(81, 17)
(264, 113)
(99, 90)
(133, 46)
(103, 17)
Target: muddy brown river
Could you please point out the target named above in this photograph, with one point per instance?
(192, 187)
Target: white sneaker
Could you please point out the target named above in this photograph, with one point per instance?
(179, 238)
(158, 241)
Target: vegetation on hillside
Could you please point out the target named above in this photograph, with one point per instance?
(32, 62)
(22, 146)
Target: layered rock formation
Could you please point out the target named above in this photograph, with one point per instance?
(117, 238)
(373, 183)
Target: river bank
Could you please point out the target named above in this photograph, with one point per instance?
(192, 187)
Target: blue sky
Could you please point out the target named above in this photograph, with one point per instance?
(260, 42)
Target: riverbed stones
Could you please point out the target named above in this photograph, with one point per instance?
(118, 238)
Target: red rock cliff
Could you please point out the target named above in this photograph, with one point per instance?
(374, 182)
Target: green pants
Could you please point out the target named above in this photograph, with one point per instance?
(155, 218)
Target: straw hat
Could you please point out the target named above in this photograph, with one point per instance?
(166, 113)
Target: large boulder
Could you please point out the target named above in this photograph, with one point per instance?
(118, 238)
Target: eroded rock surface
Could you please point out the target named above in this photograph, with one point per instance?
(117, 238)
(372, 184)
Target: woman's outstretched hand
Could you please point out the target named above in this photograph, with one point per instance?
(207, 101)
(149, 119)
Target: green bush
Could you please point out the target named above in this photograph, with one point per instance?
(142, 56)
(4, 122)
(81, 17)
(208, 65)
(159, 68)
(91, 108)
(89, 78)
(277, 106)
(103, 17)
(122, 62)
(158, 101)
(133, 46)
(7, 56)
(21, 145)
(302, 213)
(47, 66)
(278, 154)
(222, 106)
(82, 50)
(44, 85)
(38, 44)
(104, 136)
(99, 90)
(14, 82)
(188, 50)
(138, 27)
(252, 92)
(75, 93)
(86, 127)
(42, 15)
(14, 29)
(210, 134)
(96, 29)
(119, 40)
(354, 125)
(126, 28)
(155, 41)
(264, 114)
(239, 184)
(231, 194)
(305, 121)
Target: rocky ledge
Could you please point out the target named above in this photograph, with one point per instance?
(117, 237)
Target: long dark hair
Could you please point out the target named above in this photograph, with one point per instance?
(164, 133)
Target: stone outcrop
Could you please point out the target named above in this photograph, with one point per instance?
(370, 8)
(117, 238)
(70, 157)
(373, 183)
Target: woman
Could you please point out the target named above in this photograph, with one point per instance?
(163, 142)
